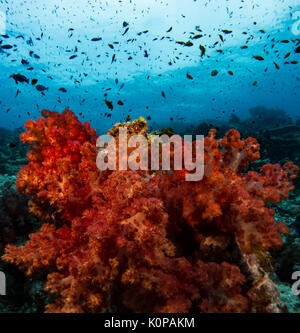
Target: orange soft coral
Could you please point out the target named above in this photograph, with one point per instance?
(128, 240)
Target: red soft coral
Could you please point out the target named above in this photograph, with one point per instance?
(145, 242)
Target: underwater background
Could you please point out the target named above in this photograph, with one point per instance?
(184, 65)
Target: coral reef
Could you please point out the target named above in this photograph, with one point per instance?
(23, 294)
(131, 241)
(12, 152)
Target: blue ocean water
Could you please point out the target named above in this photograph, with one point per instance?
(151, 58)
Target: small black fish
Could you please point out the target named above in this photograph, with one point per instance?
(111, 46)
(113, 58)
(12, 145)
(189, 76)
(125, 24)
(259, 58)
(188, 44)
(170, 29)
(214, 73)
(126, 30)
(197, 36)
(227, 31)
(41, 88)
(62, 90)
(6, 47)
(29, 42)
(230, 73)
(19, 78)
(73, 57)
(109, 104)
(203, 50)
(96, 39)
(24, 62)
(277, 67)
(163, 94)
(120, 102)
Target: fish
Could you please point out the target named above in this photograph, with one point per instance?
(227, 31)
(189, 76)
(96, 39)
(41, 88)
(260, 58)
(109, 104)
(230, 73)
(203, 50)
(126, 30)
(24, 62)
(62, 90)
(170, 29)
(120, 102)
(34, 81)
(19, 78)
(276, 65)
(6, 47)
(29, 42)
(214, 73)
(73, 57)
(163, 94)
(197, 36)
